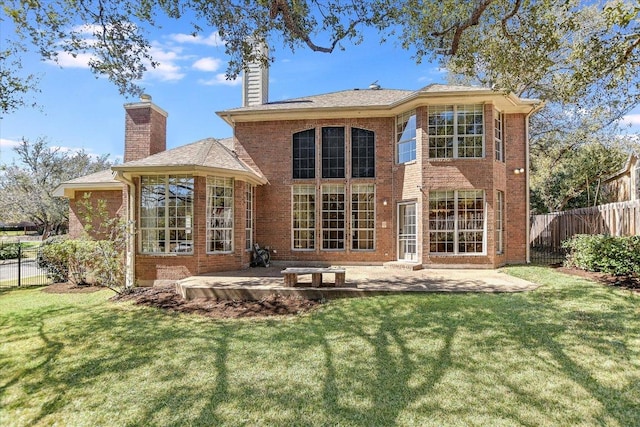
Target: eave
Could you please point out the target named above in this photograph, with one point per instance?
(128, 172)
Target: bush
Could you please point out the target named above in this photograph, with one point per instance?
(612, 255)
(66, 259)
(9, 251)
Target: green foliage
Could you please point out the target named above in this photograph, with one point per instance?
(607, 254)
(9, 250)
(67, 259)
(26, 187)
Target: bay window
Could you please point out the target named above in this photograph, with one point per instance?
(456, 131)
(219, 214)
(456, 222)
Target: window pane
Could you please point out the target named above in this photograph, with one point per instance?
(333, 152)
(304, 154)
(456, 221)
(362, 153)
(362, 216)
(406, 136)
(166, 207)
(303, 214)
(333, 216)
(219, 214)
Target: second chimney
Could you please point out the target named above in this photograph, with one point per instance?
(145, 130)
(255, 82)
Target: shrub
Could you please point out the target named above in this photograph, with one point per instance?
(72, 260)
(607, 254)
(9, 251)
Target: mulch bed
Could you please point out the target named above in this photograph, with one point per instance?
(167, 298)
(68, 288)
(624, 282)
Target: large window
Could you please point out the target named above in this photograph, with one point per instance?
(363, 216)
(333, 152)
(498, 137)
(166, 212)
(362, 153)
(456, 222)
(304, 217)
(333, 216)
(406, 136)
(219, 214)
(249, 210)
(499, 209)
(304, 154)
(456, 131)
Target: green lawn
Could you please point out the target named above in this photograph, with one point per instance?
(567, 354)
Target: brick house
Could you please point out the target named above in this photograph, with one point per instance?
(436, 177)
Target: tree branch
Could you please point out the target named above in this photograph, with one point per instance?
(460, 27)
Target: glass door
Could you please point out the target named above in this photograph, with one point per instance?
(407, 238)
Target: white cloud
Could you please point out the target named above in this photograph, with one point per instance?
(67, 60)
(4, 142)
(220, 79)
(207, 64)
(212, 40)
(168, 68)
(631, 119)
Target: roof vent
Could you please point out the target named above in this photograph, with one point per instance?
(374, 86)
(145, 97)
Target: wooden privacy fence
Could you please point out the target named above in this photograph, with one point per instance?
(548, 231)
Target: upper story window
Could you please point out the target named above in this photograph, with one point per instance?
(406, 136)
(166, 212)
(304, 154)
(362, 153)
(498, 132)
(333, 152)
(456, 131)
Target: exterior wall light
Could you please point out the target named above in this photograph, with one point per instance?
(384, 202)
(518, 171)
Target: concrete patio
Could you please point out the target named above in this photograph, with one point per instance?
(257, 283)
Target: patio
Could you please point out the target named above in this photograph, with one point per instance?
(257, 283)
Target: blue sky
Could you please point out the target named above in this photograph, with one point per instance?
(80, 111)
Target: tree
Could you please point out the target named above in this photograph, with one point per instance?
(589, 41)
(26, 187)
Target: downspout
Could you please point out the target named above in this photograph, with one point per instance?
(130, 257)
(527, 185)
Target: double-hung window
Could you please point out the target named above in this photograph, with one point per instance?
(498, 137)
(250, 195)
(456, 131)
(499, 211)
(166, 212)
(406, 137)
(219, 214)
(456, 222)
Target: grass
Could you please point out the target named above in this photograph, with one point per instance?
(29, 281)
(565, 354)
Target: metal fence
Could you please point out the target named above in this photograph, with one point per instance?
(25, 269)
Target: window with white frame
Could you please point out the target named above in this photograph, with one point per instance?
(219, 214)
(249, 209)
(166, 213)
(303, 208)
(456, 131)
(498, 135)
(363, 217)
(333, 216)
(406, 137)
(456, 222)
(499, 209)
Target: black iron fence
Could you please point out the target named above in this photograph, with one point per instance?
(21, 265)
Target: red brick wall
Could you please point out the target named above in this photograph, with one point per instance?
(145, 131)
(114, 206)
(269, 144)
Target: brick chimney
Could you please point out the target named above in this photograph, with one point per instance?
(145, 130)
(255, 82)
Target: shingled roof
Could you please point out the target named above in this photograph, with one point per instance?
(376, 102)
(207, 154)
(103, 180)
